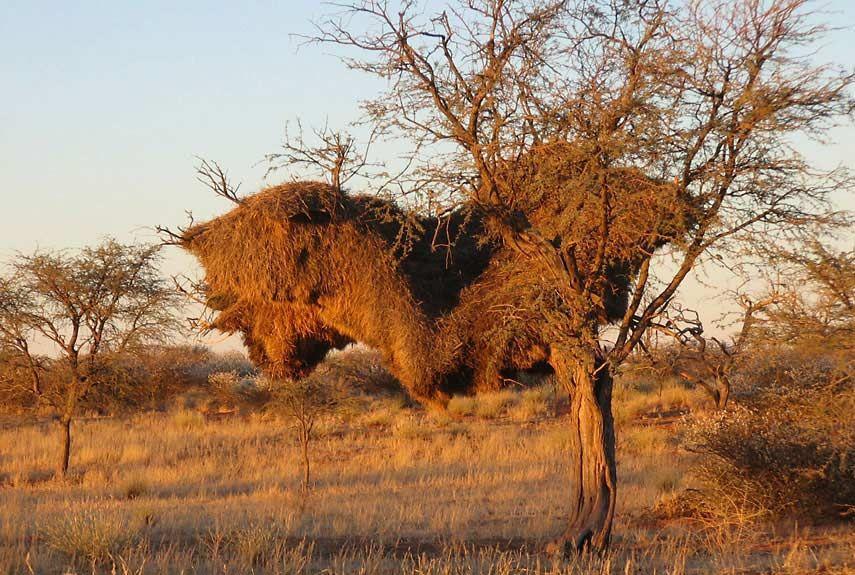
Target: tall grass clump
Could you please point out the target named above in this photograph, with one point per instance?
(462, 405)
(93, 537)
(493, 405)
(187, 419)
(534, 403)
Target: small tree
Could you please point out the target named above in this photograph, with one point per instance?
(81, 306)
(304, 403)
(336, 156)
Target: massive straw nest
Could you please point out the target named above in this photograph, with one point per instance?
(301, 268)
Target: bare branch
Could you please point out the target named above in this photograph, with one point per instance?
(216, 179)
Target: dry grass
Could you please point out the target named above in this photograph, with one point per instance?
(407, 492)
(526, 405)
(651, 400)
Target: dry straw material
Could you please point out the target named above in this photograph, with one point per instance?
(301, 268)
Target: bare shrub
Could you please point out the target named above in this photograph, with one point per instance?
(230, 361)
(148, 378)
(223, 387)
(361, 369)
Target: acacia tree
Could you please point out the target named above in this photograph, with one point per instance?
(706, 94)
(81, 306)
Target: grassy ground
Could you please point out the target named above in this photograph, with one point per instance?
(396, 490)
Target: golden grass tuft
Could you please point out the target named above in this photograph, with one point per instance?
(462, 405)
(92, 536)
(188, 419)
(133, 487)
(533, 404)
(491, 405)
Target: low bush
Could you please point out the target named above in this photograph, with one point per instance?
(786, 448)
(231, 390)
(360, 369)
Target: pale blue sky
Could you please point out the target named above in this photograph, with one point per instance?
(103, 106)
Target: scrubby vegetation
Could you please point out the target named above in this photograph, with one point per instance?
(550, 152)
(474, 488)
(396, 489)
(151, 378)
(787, 448)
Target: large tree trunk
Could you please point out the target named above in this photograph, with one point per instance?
(593, 471)
(65, 424)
